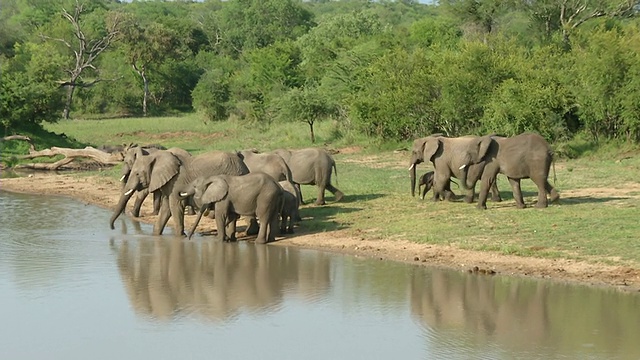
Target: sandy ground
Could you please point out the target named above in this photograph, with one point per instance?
(103, 191)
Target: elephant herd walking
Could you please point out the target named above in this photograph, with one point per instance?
(263, 187)
(481, 158)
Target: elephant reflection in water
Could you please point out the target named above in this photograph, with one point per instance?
(216, 280)
(481, 305)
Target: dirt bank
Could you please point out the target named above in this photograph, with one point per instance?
(103, 191)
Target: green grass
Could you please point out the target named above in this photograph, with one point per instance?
(597, 218)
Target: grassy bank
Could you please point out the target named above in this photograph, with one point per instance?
(596, 219)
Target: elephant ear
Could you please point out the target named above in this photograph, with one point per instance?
(483, 147)
(216, 190)
(431, 146)
(164, 166)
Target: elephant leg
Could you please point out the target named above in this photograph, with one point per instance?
(230, 227)
(299, 191)
(262, 233)
(176, 206)
(163, 217)
(334, 190)
(488, 179)
(273, 224)
(495, 193)
(137, 205)
(320, 199)
(471, 194)
(221, 228)
(553, 193)
(542, 192)
(517, 193)
(157, 200)
(253, 227)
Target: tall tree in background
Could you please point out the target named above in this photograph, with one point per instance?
(84, 48)
(478, 16)
(248, 24)
(144, 46)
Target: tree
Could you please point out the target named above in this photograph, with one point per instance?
(481, 16)
(306, 104)
(85, 49)
(146, 45)
(248, 24)
(29, 92)
(568, 15)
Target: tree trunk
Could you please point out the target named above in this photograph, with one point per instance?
(313, 135)
(67, 104)
(145, 98)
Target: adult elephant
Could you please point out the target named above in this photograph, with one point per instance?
(312, 166)
(270, 164)
(229, 196)
(165, 172)
(131, 153)
(525, 156)
(451, 157)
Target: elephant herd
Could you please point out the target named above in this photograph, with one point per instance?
(264, 187)
(481, 158)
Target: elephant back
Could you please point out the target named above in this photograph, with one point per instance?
(215, 163)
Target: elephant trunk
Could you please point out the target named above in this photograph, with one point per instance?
(412, 171)
(195, 225)
(122, 203)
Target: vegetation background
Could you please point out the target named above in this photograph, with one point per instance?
(371, 75)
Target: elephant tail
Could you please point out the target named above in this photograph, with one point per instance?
(335, 170)
(555, 177)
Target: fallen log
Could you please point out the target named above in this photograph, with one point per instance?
(102, 158)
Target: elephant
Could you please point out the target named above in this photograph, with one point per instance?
(451, 157)
(312, 166)
(270, 164)
(165, 172)
(290, 209)
(426, 180)
(131, 152)
(229, 196)
(525, 156)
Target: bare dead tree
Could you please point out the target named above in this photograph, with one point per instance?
(85, 50)
(574, 13)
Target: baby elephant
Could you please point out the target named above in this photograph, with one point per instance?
(290, 209)
(230, 196)
(426, 180)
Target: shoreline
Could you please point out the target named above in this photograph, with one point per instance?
(103, 191)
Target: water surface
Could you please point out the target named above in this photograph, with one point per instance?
(71, 288)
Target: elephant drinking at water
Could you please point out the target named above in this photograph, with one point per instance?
(229, 196)
(163, 171)
(131, 153)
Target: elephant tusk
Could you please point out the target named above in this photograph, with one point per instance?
(128, 192)
(122, 178)
(462, 167)
(412, 166)
(206, 212)
(184, 194)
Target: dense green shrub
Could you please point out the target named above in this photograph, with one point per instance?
(29, 92)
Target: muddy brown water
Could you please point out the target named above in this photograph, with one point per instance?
(71, 288)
